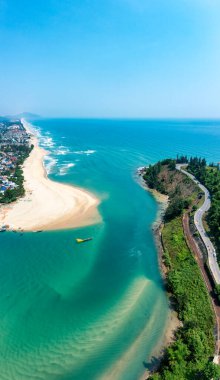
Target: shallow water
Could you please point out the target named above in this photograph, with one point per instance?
(95, 310)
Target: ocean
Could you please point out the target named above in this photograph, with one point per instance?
(96, 310)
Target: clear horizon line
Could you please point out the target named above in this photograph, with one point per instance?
(127, 118)
(145, 118)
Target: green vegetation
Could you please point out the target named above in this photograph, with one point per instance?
(167, 180)
(176, 207)
(188, 358)
(11, 195)
(217, 291)
(181, 159)
(210, 177)
(151, 177)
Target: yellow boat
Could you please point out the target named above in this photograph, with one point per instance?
(83, 240)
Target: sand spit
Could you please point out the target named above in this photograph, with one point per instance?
(48, 205)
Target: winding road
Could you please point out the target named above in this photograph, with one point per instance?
(212, 260)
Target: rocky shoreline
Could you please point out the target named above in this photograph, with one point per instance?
(173, 323)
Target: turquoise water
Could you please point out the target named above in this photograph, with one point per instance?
(96, 310)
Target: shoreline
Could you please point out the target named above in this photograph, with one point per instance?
(47, 204)
(190, 297)
(157, 226)
(173, 322)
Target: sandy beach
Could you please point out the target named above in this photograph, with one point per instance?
(48, 205)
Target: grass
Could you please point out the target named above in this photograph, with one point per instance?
(188, 357)
(189, 284)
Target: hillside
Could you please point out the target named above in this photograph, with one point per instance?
(188, 358)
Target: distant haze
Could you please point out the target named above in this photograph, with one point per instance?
(111, 58)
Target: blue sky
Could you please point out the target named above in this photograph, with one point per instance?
(110, 58)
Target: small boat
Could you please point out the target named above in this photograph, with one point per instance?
(83, 240)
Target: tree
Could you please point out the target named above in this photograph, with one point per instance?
(175, 208)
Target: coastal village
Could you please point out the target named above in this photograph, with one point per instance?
(15, 146)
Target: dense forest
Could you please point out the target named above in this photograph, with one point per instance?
(209, 176)
(189, 356)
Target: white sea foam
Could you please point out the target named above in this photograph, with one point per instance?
(36, 131)
(46, 142)
(87, 152)
(63, 169)
(62, 150)
(50, 164)
(50, 161)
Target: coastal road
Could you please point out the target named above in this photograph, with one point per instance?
(193, 246)
(212, 260)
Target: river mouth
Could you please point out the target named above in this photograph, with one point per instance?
(99, 309)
